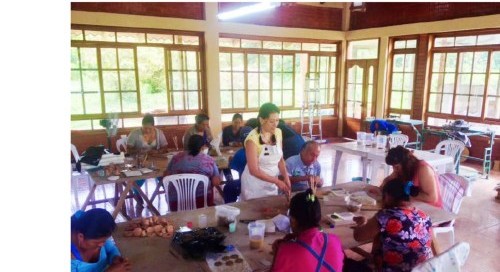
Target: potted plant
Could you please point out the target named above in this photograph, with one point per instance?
(110, 125)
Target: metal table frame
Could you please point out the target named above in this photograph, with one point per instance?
(410, 122)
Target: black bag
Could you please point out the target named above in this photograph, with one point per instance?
(91, 156)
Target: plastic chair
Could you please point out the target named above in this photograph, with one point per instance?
(398, 139)
(451, 148)
(185, 185)
(453, 189)
(449, 261)
(121, 143)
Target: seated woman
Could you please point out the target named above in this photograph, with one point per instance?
(263, 149)
(402, 232)
(231, 135)
(407, 167)
(145, 140)
(307, 248)
(91, 248)
(194, 161)
(202, 128)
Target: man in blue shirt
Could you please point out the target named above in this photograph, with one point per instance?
(305, 167)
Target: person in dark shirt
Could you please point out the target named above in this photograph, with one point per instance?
(231, 134)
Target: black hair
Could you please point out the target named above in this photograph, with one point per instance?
(93, 224)
(305, 210)
(400, 190)
(199, 118)
(266, 109)
(403, 156)
(237, 115)
(148, 119)
(252, 122)
(195, 143)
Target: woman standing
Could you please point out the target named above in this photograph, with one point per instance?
(264, 153)
(91, 248)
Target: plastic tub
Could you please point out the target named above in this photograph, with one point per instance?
(226, 215)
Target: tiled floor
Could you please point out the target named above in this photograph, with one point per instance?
(478, 222)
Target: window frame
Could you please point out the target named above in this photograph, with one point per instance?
(461, 49)
(167, 49)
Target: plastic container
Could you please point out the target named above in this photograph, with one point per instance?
(256, 231)
(360, 137)
(381, 141)
(353, 206)
(270, 227)
(226, 215)
(369, 139)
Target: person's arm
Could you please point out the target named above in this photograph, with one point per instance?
(163, 142)
(131, 143)
(365, 230)
(428, 187)
(253, 166)
(284, 174)
(289, 168)
(185, 139)
(215, 175)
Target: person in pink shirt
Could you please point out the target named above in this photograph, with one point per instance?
(407, 167)
(307, 248)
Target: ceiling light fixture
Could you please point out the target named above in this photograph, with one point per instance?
(247, 10)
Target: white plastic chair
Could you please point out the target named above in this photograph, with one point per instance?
(121, 144)
(398, 139)
(449, 261)
(185, 185)
(451, 148)
(453, 189)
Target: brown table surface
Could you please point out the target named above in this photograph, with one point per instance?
(153, 253)
(160, 162)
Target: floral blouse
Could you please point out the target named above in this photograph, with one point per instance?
(405, 238)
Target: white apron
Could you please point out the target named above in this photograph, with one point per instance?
(252, 187)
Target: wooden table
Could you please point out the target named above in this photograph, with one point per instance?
(153, 253)
(124, 184)
(376, 157)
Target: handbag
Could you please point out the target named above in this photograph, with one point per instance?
(91, 156)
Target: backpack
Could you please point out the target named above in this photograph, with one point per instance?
(91, 156)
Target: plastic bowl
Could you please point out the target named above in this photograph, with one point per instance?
(353, 206)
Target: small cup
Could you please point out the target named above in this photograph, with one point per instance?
(256, 231)
(360, 137)
(232, 227)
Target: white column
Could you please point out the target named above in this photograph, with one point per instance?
(382, 76)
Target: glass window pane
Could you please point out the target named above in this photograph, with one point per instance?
(131, 37)
(75, 58)
(366, 49)
(264, 63)
(264, 81)
(77, 103)
(251, 43)
(229, 42)
(447, 103)
(253, 62)
(288, 63)
(277, 77)
(264, 97)
(188, 40)
(127, 80)
(398, 63)
(238, 62)
(177, 99)
(397, 81)
(90, 81)
(438, 62)
(350, 91)
(437, 82)
(357, 110)
(409, 62)
(478, 81)
(465, 40)
(253, 81)
(225, 61)
(495, 62)
(129, 101)
(192, 80)
(287, 98)
(449, 83)
(475, 106)
(310, 46)
(272, 45)
(192, 60)
(291, 46)
(461, 102)
(463, 84)
(253, 99)
(399, 44)
(277, 98)
(411, 43)
(480, 62)
(434, 102)
(407, 97)
(238, 81)
(225, 80)
(465, 62)
(287, 80)
(328, 47)
(105, 36)
(277, 63)
(88, 58)
(92, 103)
(226, 99)
(108, 58)
(81, 125)
(76, 83)
(451, 62)
(110, 80)
(488, 39)
(444, 42)
(176, 60)
(177, 83)
(239, 99)
(395, 100)
(160, 38)
(192, 100)
(493, 108)
(126, 58)
(494, 84)
(408, 82)
(76, 34)
(112, 101)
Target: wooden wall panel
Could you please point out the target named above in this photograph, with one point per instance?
(191, 10)
(290, 15)
(388, 14)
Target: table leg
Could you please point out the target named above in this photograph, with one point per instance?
(364, 163)
(145, 197)
(123, 196)
(375, 167)
(90, 196)
(157, 190)
(338, 156)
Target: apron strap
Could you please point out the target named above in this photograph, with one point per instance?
(321, 261)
